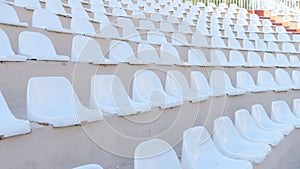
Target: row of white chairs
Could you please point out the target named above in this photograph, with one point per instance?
(237, 145)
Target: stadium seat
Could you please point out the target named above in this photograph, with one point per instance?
(283, 78)
(236, 58)
(9, 16)
(269, 60)
(199, 83)
(37, 46)
(217, 57)
(294, 61)
(109, 95)
(57, 8)
(221, 84)
(177, 85)
(28, 4)
(250, 131)
(147, 88)
(266, 79)
(121, 51)
(147, 53)
(198, 149)
(156, 37)
(197, 58)
(155, 153)
(231, 144)
(296, 77)
(82, 26)
(296, 107)
(179, 39)
(87, 49)
(254, 60)
(45, 19)
(6, 52)
(52, 100)
(263, 121)
(282, 60)
(89, 166)
(109, 31)
(169, 55)
(245, 81)
(9, 124)
(282, 113)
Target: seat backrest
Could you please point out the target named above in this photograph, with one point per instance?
(79, 12)
(86, 49)
(296, 76)
(233, 43)
(218, 82)
(43, 18)
(156, 17)
(283, 78)
(156, 37)
(179, 39)
(120, 51)
(281, 110)
(283, 37)
(237, 58)
(147, 53)
(266, 79)
(166, 26)
(146, 24)
(5, 47)
(244, 80)
(156, 154)
(259, 114)
(108, 30)
(176, 83)
(169, 54)
(217, 57)
(125, 22)
(199, 40)
(296, 107)
(30, 4)
(199, 82)
(8, 14)
(218, 42)
(36, 45)
(82, 25)
(288, 47)
(118, 12)
(196, 57)
(55, 7)
(273, 46)
(294, 61)
(101, 17)
(243, 121)
(254, 59)
(269, 59)
(282, 60)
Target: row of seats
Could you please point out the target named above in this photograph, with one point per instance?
(109, 95)
(250, 139)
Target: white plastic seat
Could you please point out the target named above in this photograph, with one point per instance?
(147, 54)
(119, 12)
(169, 55)
(283, 78)
(155, 153)
(266, 79)
(261, 45)
(217, 42)
(177, 85)
(82, 26)
(9, 16)
(263, 121)
(273, 46)
(234, 43)
(28, 4)
(37, 46)
(79, 12)
(247, 44)
(147, 88)
(254, 60)
(221, 84)
(269, 60)
(109, 31)
(296, 77)
(156, 37)
(282, 113)
(245, 81)
(250, 131)
(101, 17)
(197, 57)
(166, 27)
(198, 149)
(179, 39)
(236, 58)
(89, 166)
(6, 52)
(57, 8)
(296, 107)
(87, 49)
(231, 144)
(109, 95)
(45, 19)
(199, 83)
(52, 100)
(288, 48)
(9, 124)
(146, 25)
(294, 61)
(282, 60)
(217, 57)
(121, 51)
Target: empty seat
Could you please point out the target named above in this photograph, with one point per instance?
(179, 39)
(296, 77)
(109, 31)
(254, 60)
(9, 124)
(9, 16)
(250, 131)
(6, 52)
(197, 57)
(236, 58)
(45, 19)
(294, 61)
(87, 49)
(221, 84)
(169, 55)
(52, 100)
(82, 26)
(198, 149)
(57, 8)
(230, 143)
(147, 53)
(263, 121)
(148, 88)
(282, 60)
(89, 166)
(199, 83)
(269, 60)
(109, 95)
(156, 154)
(37, 46)
(282, 113)
(296, 107)
(121, 51)
(177, 85)
(28, 4)
(266, 79)
(217, 57)
(245, 81)
(156, 37)
(283, 78)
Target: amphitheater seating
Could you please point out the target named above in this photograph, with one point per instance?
(28, 42)
(198, 149)
(89, 166)
(9, 124)
(109, 95)
(245, 81)
(230, 143)
(249, 130)
(282, 113)
(263, 121)
(157, 154)
(52, 100)
(264, 78)
(9, 16)
(283, 79)
(177, 85)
